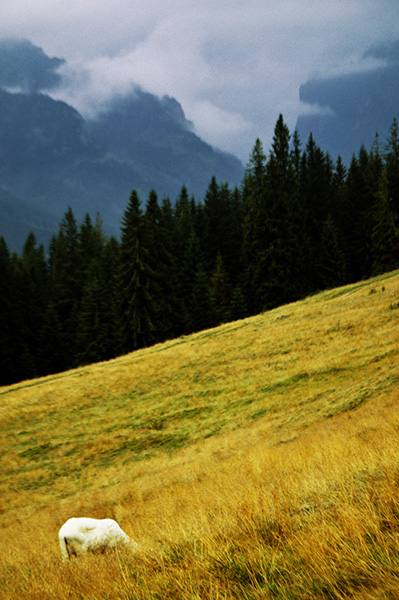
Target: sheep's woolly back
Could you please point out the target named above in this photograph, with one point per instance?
(82, 534)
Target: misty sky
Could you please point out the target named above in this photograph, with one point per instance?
(233, 65)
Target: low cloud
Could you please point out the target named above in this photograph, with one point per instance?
(233, 65)
(307, 109)
(214, 123)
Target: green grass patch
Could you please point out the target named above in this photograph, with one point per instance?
(143, 447)
(258, 414)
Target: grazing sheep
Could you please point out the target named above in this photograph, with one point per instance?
(82, 534)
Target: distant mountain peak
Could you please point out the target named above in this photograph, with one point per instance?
(25, 68)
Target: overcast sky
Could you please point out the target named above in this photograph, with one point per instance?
(234, 65)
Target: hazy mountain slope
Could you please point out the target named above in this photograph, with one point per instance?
(26, 68)
(154, 132)
(52, 158)
(18, 217)
(352, 108)
(257, 459)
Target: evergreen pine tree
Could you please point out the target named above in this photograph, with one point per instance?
(96, 338)
(222, 228)
(184, 216)
(253, 194)
(193, 288)
(268, 247)
(391, 157)
(162, 264)
(316, 189)
(91, 241)
(32, 306)
(279, 285)
(385, 238)
(168, 273)
(110, 271)
(298, 223)
(214, 214)
(136, 306)
(9, 323)
(94, 326)
(340, 214)
(65, 287)
(233, 258)
(296, 154)
(192, 276)
(361, 187)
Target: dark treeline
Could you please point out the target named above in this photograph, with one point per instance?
(298, 224)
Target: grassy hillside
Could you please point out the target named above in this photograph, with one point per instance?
(256, 460)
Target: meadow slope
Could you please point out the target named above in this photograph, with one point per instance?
(259, 459)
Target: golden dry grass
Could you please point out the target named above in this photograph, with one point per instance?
(256, 460)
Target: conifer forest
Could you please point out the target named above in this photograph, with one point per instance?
(299, 223)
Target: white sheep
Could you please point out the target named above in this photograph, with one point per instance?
(83, 534)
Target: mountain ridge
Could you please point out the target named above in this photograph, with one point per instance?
(52, 158)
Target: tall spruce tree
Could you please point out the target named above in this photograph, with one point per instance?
(192, 290)
(137, 309)
(193, 287)
(233, 258)
(214, 214)
(95, 326)
(24, 297)
(279, 285)
(391, 157)
(316, 189)
(65, 284)
(91, 241)
(96, 335)
(170, 322)
(340, 214)
(385, 237)
(361, 186)
(299, 234)
(110, 273)
(33, 290)
(222, 227)
(162, 263)
(253, 194)
(9, 322)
